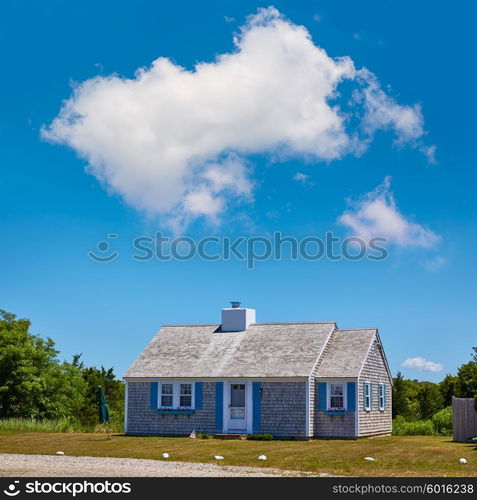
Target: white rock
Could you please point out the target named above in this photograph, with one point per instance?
(219, 457)
(60, 452)
(370, 459)
(462, 461)
(262, 457)
(165, 455)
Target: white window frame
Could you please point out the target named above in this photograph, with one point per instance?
(328, 395)
(381, 398)
(176, 388)
(367, 396)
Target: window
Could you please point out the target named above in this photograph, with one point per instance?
(367, 395)
(167, 395)
(186, 395)
(337, 396)
(176, 395)
(382, 396)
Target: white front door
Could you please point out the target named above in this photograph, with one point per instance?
(237, 408)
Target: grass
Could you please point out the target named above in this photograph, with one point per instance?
(58, 425)
(395, 456)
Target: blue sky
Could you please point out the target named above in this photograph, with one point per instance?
(53, 212)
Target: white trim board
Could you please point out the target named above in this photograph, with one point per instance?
(215, 379)
(126, 407)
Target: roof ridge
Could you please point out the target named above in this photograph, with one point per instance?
(297, 323)
(354, 329)
(255, 324)
(193, 324)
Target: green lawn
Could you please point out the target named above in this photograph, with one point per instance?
(395, 456)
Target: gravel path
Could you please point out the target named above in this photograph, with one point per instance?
(65, 466)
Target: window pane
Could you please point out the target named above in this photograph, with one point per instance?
(336, 402)
(237, 395)
(381, 395)
(167, 388)
(337, 389)
(367, 395)
(166, 400)
(185, 401)
(186, 389)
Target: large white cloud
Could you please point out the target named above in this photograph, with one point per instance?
(422, 364)
(377, 215)
(174, 142)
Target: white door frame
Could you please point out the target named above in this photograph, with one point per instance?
(248, 404)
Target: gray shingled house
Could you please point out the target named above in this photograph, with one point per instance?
(292, 380)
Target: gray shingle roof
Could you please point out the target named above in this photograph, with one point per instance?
(346, 353)
(203, 351)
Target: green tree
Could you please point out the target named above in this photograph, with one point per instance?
(448, 388)
(113, 388)
(430, 400)
(33, 383)
(400, 401)
(467, 380)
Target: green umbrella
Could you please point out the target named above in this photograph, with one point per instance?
(103, 409)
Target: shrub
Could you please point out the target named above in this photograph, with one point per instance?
(442, 421)
(202, 435)
(418, 428)
(260, 437)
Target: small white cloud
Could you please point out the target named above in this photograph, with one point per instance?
(422, 364)
(376, 215)
(172, 141)
(429, 152)
(300, 177)
(228, 19)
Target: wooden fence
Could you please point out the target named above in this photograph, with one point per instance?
(464, 419)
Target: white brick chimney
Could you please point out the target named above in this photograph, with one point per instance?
(236, 318)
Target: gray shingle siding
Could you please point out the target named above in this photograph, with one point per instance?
(141, 419)
(375, 422)
(283, 409)
(335, 426)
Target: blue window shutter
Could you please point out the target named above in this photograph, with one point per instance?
(154, 388)
(384, 393)
(256, 406)
(364, 395)
(219, 406)
(322, 396)
(351, 395)
(370, 395)
(198, 395)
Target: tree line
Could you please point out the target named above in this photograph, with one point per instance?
(415, 400)
(35, 384)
